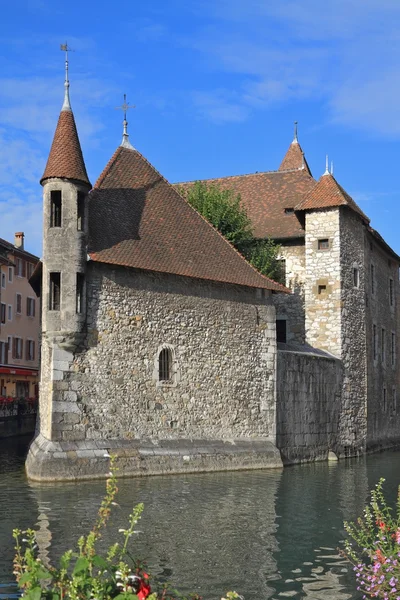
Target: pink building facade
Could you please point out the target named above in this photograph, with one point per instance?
(19, 322)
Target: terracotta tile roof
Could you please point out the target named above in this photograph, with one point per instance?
(294, 159)
(328, 193)
(65, 158)
(137, 219)
(266, 196)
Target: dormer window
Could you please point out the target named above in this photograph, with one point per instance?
(55, 208)
(289, 211)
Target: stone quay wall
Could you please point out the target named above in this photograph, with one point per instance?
(308, 406)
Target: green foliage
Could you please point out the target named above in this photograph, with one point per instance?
(85, 574)
(264, 256)
(375, 554)
(223, 209)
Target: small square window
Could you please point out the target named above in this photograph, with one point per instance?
(323, 244)
(321, 290)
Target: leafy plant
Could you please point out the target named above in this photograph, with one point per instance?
(85, 574)
(376, 553)
(223, 209)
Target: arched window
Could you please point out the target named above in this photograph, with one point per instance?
(165, 365)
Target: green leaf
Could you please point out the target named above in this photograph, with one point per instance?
(55, 596)
(43, 574)
(126, 596)
(34, 594)
(81, 565)
(99, 562)
(24, 578)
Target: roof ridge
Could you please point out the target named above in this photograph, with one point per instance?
(275, 172)
(108, 166)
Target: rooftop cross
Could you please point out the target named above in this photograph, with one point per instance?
(67, 104)
(125, 136)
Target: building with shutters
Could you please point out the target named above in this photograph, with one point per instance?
(19, 322)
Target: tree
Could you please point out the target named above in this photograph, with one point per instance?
(223, 209)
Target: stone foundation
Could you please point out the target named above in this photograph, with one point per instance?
(68, 461)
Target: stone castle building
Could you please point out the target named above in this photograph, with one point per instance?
(159, 340)
(345, 300)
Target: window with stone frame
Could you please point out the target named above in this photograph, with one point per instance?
(356, 276)
(18, 304)
(383, 345)
(374, 342)
(55, 291)
(17, 348)
(30, 307)
(165, 362)
(80, 212)
(323, 244)
(55, 208)
(30, 350)
(372, 271)
(3, 308)
(393, 349)
(391, 292)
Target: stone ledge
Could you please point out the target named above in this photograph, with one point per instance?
(68, 461)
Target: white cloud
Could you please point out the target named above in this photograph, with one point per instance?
(218, 106)
(345, 54)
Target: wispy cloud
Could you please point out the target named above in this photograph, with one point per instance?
(345, 54)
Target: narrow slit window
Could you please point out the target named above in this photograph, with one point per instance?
(383, 345)
(55, 291)
(80, 222)
(384, 400)
(79, 292)
(55, 209)
(356, 277)
(391, 292)
(374, 342)
(165, 365)
(372, 279)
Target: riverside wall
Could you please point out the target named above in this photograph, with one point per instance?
(309, 402)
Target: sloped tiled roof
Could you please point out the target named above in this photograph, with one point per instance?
(294, 159)
(265, 197)
(328, 193)
(137, 219)
(65, 158)
(9, 247)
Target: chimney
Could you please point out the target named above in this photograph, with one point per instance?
(19, 240)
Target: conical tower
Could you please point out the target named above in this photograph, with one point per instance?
(65, 188)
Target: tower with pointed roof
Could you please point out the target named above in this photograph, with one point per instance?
(65, 236)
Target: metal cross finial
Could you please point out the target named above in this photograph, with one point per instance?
(125, 137)
(65, 48)
(295, 140)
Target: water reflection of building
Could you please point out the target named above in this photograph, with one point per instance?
(205, 533)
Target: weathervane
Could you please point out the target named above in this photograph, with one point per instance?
(125, 137)
(67, 105)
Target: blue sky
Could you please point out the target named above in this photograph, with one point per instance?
(217, 85)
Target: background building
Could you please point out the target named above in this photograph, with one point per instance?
(19, 322)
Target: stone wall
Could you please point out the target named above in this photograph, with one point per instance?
(322, 287)
(308, 405)
(353, 420)
(224, 354)
(291, 307)
(383, 368)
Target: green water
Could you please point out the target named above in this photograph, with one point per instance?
(266, 534)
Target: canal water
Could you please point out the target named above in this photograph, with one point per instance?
(265, 534)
